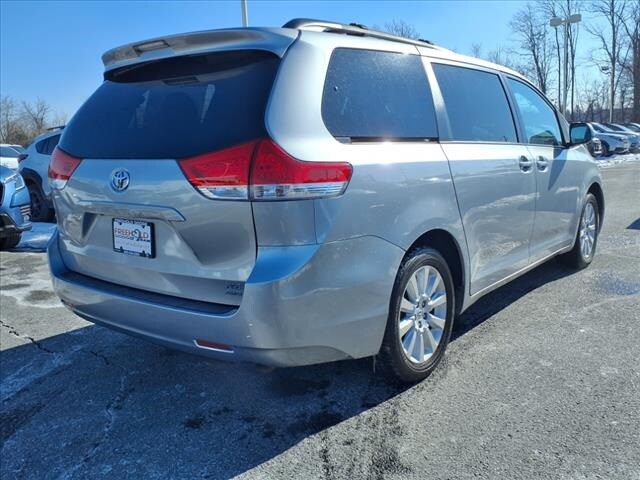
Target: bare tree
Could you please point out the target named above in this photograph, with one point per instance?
(12, 127)
(476, 50)
(36, 114)
(507, 58)
(630, 65)
(610, 37)
(402, 29)
(21, 122)
(533, 34)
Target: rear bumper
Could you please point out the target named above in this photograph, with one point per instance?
(301, 305)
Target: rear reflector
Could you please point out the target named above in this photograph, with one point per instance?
(261, 170)
(209, 345)
(61, 168)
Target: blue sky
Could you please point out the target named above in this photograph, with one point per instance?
(52, 49)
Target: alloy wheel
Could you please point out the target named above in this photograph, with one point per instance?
(423, 314)
(588, 230)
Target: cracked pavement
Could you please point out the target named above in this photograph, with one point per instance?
(542, 380)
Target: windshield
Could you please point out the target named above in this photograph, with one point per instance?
(8, 152)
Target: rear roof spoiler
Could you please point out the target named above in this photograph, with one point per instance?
(275, 40)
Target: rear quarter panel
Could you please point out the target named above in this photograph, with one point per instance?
(398, 191)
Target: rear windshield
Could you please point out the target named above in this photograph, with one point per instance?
(175, 108)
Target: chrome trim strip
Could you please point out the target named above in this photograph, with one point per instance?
(131, 210)
(195, 342)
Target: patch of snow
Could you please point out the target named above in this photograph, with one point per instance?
(606, 162)
(36, 239)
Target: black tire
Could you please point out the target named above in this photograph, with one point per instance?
(40, 209)
(7, 243)
(575, 257)
(392, 358)
(605, 150)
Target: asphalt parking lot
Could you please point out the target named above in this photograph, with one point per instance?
(542, 380)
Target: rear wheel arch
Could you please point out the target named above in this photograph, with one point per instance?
(31, 176)
(597, 192)
(445, 243)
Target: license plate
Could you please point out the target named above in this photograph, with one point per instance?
(133, 237)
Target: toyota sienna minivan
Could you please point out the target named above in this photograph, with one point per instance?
(311, 193)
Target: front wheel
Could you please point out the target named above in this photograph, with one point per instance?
(584, 248)
(7, 243)
(40, 209)
(420, 318)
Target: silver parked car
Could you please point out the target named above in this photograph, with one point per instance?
(612, 142)
(310, 193)
(34, 167)
(632, 135)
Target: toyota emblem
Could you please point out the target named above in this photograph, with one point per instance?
(120, 180)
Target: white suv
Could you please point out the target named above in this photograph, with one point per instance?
(34, 165)
(9, 156)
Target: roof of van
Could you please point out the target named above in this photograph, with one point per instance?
(276, 40)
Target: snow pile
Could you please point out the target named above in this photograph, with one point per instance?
(36, 239)
(605, 162)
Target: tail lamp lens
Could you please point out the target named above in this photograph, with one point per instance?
(223, 174)
(275, 175)
(61, 168)
(261, 170)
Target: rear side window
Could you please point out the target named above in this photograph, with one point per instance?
(41, 146)
(376, 95)
(538, 118)
(46, 146)
(52, 144)
(175, 108)
(476, 105)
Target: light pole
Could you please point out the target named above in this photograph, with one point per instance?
(607, 71)
(245, 14)
(555, 22)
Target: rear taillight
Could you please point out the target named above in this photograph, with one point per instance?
(261, 170)
(22, 156)
(223, 174)
(61, 168)
(276, 175)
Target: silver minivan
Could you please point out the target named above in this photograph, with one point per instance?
(311, 193)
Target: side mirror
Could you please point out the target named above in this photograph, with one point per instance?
(580, 134)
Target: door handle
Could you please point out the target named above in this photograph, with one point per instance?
(542, 163)
(525, 164)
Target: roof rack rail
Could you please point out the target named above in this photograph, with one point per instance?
(352, 29)
(57, 127)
